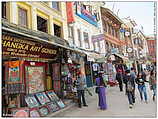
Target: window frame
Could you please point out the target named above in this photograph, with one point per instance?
(86, 40)
(26, 11)
(46, 22)
(4, 10)
(58, 5)
(79, 37)
(60, 30)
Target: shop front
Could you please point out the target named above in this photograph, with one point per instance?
(30, 76)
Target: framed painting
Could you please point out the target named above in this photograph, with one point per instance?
(61, 104)
(20, 112)
(57, 85)
(31, 101)
(35, 76)
(51, 94)
(42, 97)
(43, 111)
(34, 112)
(53, 107)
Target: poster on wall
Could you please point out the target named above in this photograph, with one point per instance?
(51, 94)
(20, 112)
(56, 71)
(42, 97)
(53, 107)
(31, 101)
(43, 111)
(34, 112)
(35, 78)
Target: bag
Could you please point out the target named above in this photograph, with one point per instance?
(97, 90)
(129, 86)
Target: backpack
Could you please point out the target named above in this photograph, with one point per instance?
(129, 85)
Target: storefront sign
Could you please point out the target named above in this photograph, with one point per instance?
(99, 37)
(19, 47)
(84, 14)
(70, 14)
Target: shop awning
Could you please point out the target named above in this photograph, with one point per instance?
(121, 56)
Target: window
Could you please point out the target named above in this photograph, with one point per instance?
(4, 14)
(70, 29)
(94, 46)
(98, 43)
(79, 37)
(57, 30)
(42, 24)
(55, 5)
(86, 39)
(22, 17)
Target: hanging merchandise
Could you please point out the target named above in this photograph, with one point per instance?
(95, 67)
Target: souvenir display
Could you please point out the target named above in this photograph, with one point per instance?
(42, 97)
(21, 112)
(12, 101)
(53, 107)
(61, 104)
(56, 71)
(15, 88)
(35, 76)
(43, 111)
(31, 101)
(51, 94)
(34, 113)
(57, 85)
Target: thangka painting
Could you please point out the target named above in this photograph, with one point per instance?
(14, 72)
(53, 107)
(35, 79)
(31, 101)
(34, 113)
(57, 85)
(43, 111)
(42, 97)
(61, 104)
(21, 112)
(56, 71)
(51, 94)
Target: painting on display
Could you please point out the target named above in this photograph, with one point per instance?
(56, 71)
(34, 113)
(51, 94)
(53, 107)
(57, 85)
(14, 72)
(31, 101)
(43, 111)
(20, 112)
(35, 76)
(61, 104)
(42, 97)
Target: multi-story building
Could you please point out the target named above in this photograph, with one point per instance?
(152, 48)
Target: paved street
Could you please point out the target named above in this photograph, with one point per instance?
(117, 106)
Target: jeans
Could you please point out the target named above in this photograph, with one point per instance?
(142, 90)
(154, 90)
(131, 97)
(81, 94)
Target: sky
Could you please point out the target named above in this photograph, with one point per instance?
(141, 12)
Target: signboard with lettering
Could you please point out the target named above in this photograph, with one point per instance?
(20, 47)
(99, 37)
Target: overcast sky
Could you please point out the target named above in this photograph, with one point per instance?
(141, 12)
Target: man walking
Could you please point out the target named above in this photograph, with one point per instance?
(119, 78)
(80, 91)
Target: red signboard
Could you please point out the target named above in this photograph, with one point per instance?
(70, 14)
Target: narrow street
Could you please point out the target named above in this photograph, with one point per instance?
(117, 106)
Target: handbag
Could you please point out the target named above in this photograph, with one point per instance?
(97, 90)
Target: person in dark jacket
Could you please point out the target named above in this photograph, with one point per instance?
(119, 78)
(130, 87)
(140, 80)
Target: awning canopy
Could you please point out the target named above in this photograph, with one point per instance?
(121, 56)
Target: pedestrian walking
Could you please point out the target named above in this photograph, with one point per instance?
(152, 82)
(119, 78)
(140, 80)
(101, 92)
(130, 86)
(133, 76)
(80, 84)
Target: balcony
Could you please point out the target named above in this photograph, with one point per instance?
(114, 40)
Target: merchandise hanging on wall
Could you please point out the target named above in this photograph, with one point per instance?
(34, 112)
(31, 101)
(35, 78)
(56, 71)
(57, 85)
(51, 94)
(42, 97)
